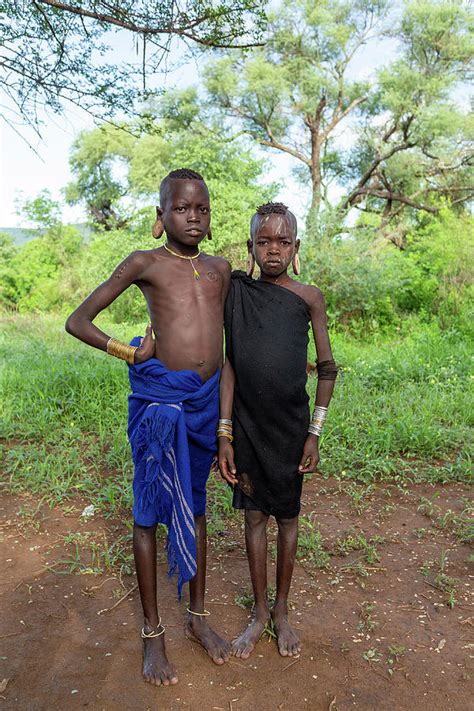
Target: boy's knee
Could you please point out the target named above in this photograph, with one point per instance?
(144, 531)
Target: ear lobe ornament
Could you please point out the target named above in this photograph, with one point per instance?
(157, 229)
(296, 264)
(209, 234)
(250, 264)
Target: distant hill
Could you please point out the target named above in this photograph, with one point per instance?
(21, 235)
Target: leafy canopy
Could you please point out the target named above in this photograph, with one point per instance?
(52, 51)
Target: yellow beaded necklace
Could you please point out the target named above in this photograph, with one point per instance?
(182, 256)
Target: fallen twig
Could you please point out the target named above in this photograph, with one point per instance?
(89, 591)
(109, 609)
(239, 664)
(291, 664)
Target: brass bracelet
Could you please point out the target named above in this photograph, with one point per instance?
(121, 350)
(228, 436)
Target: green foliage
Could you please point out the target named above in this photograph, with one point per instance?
(37, 276)
(402, 411)
(51, 54)
(370, 286)
(399, 402)
(410, 140)
(119, 169)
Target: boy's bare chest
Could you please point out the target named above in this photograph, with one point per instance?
(186, 289)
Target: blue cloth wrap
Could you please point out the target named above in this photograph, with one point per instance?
(172, 420)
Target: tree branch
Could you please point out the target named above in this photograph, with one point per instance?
(149, 30)
(371, 169)
(272, 143)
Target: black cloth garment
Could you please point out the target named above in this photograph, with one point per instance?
(266, 329)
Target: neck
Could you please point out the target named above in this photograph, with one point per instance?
(282, 278)
(185, 250)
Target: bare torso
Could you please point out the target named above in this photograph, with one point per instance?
(187, 314)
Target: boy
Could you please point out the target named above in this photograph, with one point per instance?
(173, 408)
(264, 408)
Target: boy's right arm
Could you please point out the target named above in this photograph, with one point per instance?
(226, 450)
(79, 323)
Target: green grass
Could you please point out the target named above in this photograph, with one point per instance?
(402, 410)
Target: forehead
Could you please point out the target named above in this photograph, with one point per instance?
(275, 225)
(189, 190)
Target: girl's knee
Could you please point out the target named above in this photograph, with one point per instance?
(287, 524)
(255, 519)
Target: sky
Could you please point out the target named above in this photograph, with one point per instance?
(29, 164)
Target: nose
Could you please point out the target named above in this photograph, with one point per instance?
(193, 216)
(274, 249)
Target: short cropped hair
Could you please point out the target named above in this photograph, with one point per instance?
(179, 174)
(272, 208)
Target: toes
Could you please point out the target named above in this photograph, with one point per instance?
(173, 680)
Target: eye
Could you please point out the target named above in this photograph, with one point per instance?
(285, 242)
(262, 242)
(205, 210)
(180, 209)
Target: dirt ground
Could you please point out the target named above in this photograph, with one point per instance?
(377, 634)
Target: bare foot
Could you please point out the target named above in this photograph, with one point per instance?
(197, 629)
(156, 667)
(288, 643)
(244, 644)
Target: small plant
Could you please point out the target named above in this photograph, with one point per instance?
(372, 655)
(439, 579)
(395, 653)
(360, 543)
(427, 506)
(367, 623)
(358, 495)
(426, 568)
(245, 598)
(310, 544)
(420, 532)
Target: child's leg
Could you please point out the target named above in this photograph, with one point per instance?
(156, 668)
(256, 544)
(288, 642)
(196, 625)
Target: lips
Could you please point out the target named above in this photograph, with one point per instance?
(273, 262)
(193, 231)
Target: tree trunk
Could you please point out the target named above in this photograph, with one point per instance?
(315, 170)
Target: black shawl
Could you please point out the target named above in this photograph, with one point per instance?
(266, 329)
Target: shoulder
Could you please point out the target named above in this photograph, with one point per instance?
(219, 266)
(136, 263)
(219, 263)
(315, 296)
(311, 294)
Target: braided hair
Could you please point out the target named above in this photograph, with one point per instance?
(264, 211)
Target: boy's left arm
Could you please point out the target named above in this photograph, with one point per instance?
(327, 373)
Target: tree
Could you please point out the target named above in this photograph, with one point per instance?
(54, 51)
(408, 138)
(118, 169)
